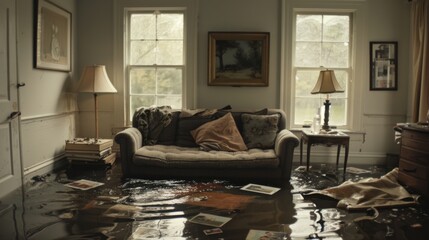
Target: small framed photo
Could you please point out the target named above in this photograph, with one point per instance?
(209, 220)
(260, 189)
(83, 184)
(52, 42)
(238, 58)
(383, 65)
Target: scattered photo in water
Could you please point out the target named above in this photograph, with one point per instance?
(83, 184)
(260, 189)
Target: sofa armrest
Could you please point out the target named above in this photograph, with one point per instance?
(285, 144)
(129, 140)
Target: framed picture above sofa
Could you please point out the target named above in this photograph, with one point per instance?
(238, 58)
(52, 32)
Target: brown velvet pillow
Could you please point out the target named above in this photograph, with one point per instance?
(220, 134)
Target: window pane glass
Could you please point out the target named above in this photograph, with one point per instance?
(142, 81)
(307, 54)
(337, 112)
(143, 26)
(336, 28)
(174, 101)
(309, 28)
(143, 52)
(306, 109)
(169, 81)
(305, 82)
(335, 55)
(170, 53)
(141, 101)
(170, 26)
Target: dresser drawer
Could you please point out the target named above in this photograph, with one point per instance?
(416, 144)
(416, 135)
(416, 185)
(413, 169)
(414, 155)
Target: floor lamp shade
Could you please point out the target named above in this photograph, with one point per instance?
(326, 84)
(94, 80)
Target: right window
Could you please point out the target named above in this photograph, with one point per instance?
(321, 41)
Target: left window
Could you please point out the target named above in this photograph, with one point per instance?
(155, 58)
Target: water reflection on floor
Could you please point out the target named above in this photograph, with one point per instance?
(149, 209)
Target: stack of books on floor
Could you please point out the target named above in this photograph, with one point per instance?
(90, 151)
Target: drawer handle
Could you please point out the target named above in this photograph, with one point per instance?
(410, 170)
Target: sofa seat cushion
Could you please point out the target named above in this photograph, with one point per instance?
(174, 156)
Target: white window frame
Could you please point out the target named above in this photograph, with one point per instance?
(349, 69)
(129, 66)
(121, 108)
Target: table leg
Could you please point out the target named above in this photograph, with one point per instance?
(308, 154)
(338, 154)
(346, 156)
(300, 155)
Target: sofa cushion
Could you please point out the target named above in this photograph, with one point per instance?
(174, 156)
(237, 116)
(184, 128)
(260, 131)
(220, 134)
(168, 134)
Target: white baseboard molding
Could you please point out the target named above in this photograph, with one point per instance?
(44, 167)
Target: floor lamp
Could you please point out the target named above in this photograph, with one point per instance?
(326, 84)
(94, 80)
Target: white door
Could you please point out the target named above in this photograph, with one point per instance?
(10, 159)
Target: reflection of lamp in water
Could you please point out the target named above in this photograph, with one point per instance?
(326, 84)
(94, 80)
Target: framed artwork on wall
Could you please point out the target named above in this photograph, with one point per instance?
(238, 58)
(383, 65)
(52, 32)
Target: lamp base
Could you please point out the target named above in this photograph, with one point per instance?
(325, 126)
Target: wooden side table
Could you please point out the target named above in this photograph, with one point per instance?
(311, 138)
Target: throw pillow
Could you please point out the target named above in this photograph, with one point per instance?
(220, 134)
(237, 116)
(184, 128)
(260, 131)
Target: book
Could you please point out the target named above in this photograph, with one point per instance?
(108, 160)
(89, 144)
(95, 155)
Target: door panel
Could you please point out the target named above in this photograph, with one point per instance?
(10, 159)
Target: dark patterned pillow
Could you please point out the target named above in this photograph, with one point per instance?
(260, 131)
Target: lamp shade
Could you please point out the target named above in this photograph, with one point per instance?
(327, 83)
(94, 79)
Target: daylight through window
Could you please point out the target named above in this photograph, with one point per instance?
(322, 41)
(156, 67)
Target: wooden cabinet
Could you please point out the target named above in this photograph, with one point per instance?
(414, 158)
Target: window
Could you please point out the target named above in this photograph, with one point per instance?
(322, 41)
(155, 59)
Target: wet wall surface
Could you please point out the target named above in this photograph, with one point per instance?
(162, 209)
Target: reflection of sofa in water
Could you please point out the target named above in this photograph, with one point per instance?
(193, 146)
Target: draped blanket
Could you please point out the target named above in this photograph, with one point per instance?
(370, 192)
(151, 121)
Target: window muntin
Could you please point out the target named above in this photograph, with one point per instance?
(322, 41)
(156, 55)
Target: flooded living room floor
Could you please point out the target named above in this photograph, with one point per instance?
(165, 209)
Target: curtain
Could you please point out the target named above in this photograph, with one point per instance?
(420, 59)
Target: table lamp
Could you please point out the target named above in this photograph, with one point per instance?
(326, 84)
(94, 80)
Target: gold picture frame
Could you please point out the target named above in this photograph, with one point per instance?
(52, 41)
(238, 58)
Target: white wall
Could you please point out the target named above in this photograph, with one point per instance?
(239, 15)
(47, 101)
